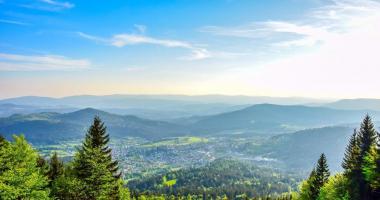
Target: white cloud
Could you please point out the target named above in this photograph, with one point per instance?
(13, 22)
(15, 62)
(320, 25)
(48, 5)
(339, 55)
(121, 40)
(65, 5)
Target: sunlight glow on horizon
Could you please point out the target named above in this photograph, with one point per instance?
(328, 51)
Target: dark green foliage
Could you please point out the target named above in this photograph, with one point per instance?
(306, 191)
(56, 168)
(311, 188)
(351, 156)
(367, 136)
(221, 177)
(352, 166)
(93, 164)
(2, 141)
(97, 138)
(321, 176)
(322, 171)
(367, 140)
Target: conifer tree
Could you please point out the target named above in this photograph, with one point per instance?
(371, 169)
(367, 137)
(351, 166)
(320, 177)
(351, 155)
(367, 140)
(94, 166)
(97, 137)
(56, 168)
(307, 190)
(2, 141)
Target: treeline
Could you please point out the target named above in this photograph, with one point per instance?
(222, 177)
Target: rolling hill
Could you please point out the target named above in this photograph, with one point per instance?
(355, 104)
(274, 119)
(156, 107)
(301, 149)
(53, 127)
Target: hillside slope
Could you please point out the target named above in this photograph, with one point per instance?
(268, 118)
(54, 127)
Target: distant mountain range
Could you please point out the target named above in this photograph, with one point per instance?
(157, 107)
(274, 119)
(355, 104)
(266, 119)
(55, 127)
(154, 101)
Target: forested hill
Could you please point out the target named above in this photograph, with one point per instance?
(299, 150)
(220, 177)
(269, 118)
(54, 127)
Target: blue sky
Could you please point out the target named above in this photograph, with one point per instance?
(311, 48)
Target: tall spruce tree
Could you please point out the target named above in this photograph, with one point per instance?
(371, 169)
(367, 136)
(321, 176)
(351, 166)
(377, 189)
(97, 138)
(307, 189)
(367, 140)
(351, 155)
(56, 168)
(94, 166)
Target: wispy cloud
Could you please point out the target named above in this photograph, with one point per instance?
(342, 40)
(141, 28)
(65, 5)
(121, 40)
(48, 5)
(13, 22)
(318, 26)
(16, 62)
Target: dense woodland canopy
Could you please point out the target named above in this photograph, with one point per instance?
(94, 174)
(221, 177)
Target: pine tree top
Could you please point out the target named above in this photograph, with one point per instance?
(367, 136)
(322, 169)
(97, 136)
(96, 144)
(351, 155)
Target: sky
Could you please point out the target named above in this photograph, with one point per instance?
(304, 48)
